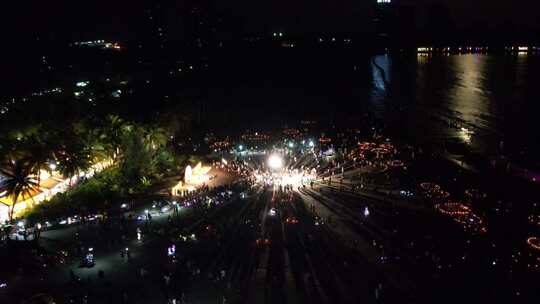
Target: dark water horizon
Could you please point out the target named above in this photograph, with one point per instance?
(478, 100)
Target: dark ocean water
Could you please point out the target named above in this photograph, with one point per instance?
(478, 100)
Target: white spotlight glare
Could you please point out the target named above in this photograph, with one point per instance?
(275, 162)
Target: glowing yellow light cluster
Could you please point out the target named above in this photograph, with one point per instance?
(534, 219)
(453, 209)
(395, 163)
(473, 193)
(463, 215)
(427, 186)
(50, 185)
(434, 191)
(366, 146)
(534, 242)
(291, 132)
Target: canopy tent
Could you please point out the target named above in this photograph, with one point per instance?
(51, 183)
(8, 200)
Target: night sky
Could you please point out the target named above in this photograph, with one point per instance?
(72, 19)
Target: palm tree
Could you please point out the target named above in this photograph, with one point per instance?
(113, 135)
(155, 138)
(18, 182)
(99, 154)
(72, 162)
(38, 157)
(96, 143)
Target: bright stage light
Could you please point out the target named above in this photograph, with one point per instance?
(275, 162)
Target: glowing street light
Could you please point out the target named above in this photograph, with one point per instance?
(275, 162)
(291, 145)
(311, 143)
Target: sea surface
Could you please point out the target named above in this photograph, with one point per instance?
(487, 102)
